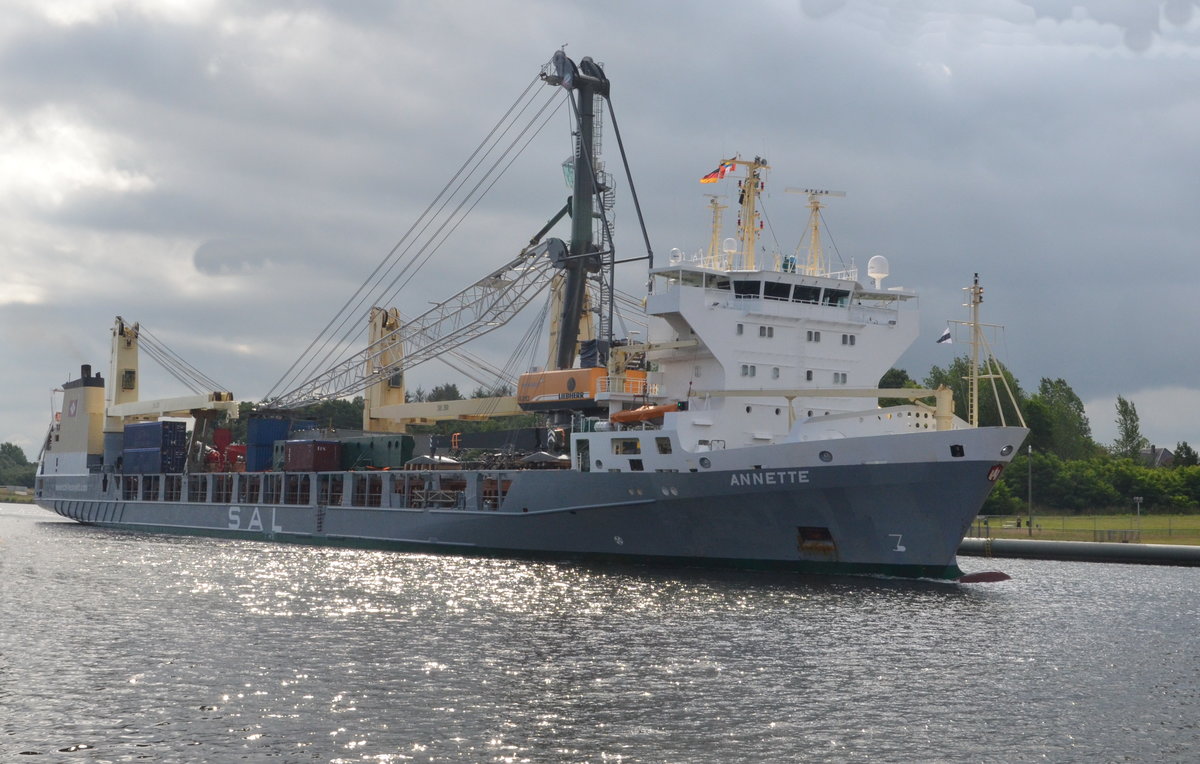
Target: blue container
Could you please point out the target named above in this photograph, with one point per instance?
(265, 431)
(166, 435)
(258, 457)
(142, 461)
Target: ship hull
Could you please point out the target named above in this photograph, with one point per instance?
(902, 519)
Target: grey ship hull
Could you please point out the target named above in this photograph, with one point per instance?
(904, 519)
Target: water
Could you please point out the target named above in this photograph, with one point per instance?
(124, 647)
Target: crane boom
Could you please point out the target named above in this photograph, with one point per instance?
(479, 309)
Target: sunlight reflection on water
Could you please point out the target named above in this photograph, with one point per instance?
(188, 649)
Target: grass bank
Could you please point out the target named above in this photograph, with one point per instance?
(12, 497)
(1134, 529)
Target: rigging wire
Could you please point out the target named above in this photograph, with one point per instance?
(175, 365)
(426, 251)
(346, 308)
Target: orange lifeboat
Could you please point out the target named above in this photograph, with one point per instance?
(643, 413)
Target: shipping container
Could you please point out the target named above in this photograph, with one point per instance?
(380, 451)
(312, 456)
(263, 431)
(167, 435)
(258, 457)
(143, 461)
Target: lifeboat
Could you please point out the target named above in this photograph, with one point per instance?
(643, 413)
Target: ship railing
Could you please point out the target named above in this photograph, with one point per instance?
(473, 490)
(622, 385)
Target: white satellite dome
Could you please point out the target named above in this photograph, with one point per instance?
(877, 268)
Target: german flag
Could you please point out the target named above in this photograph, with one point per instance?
(713, 176)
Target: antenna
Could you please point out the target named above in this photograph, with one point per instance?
(816, 258)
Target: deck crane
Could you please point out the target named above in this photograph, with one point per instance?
(475, 311)
(395, 346)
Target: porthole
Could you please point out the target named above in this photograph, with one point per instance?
(705, 462)
(747, 409)
(825, 456)
(1006, 450)
(599, 464)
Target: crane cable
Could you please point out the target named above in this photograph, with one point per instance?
(351, 307)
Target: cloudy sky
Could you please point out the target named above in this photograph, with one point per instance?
(228, 173)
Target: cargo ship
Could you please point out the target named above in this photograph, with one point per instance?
(743, 429)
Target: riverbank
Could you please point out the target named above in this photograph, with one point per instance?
(1127, 529)
(8, 496)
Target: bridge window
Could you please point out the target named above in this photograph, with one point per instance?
(747, 288)
(810, 294)
(813, 336)
(773, 290)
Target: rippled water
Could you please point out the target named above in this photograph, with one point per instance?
(121, 647)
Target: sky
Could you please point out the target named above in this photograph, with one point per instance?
(229, 173)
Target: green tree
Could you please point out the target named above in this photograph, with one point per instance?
(1130, 441)
(498, 390)
(1056, 414)
(1185, 455)
(896, 378)
(993, 399)
(15, 468)
(447, 391)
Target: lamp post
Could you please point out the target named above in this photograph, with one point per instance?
(1029, 461)
(1137, 500)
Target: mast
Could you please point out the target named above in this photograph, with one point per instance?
(817, 266)
(714, 245)
(975, 297)
(748, 191)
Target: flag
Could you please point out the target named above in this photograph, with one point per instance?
(945, 339)
(712, 177)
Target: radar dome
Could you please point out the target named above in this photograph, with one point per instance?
(877, 268)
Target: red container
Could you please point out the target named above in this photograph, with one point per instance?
(312, 456)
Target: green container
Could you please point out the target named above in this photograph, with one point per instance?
(385, 450)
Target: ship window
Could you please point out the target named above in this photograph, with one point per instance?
(804, 293)
(747, 288)
(740, 329)
(696, 372)
(774, 372)
(581, 455)
(721, 283)
(626, 446)
(663, 444)
(773, 290)
(766, 331)
(753, 370)
(957, 451)
(808, 376)
(812, 336)
(838, 297)
(745, 370)
(635, 465)
(128, 379)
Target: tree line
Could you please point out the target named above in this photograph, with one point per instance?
(15, 468)
(1061, 466)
